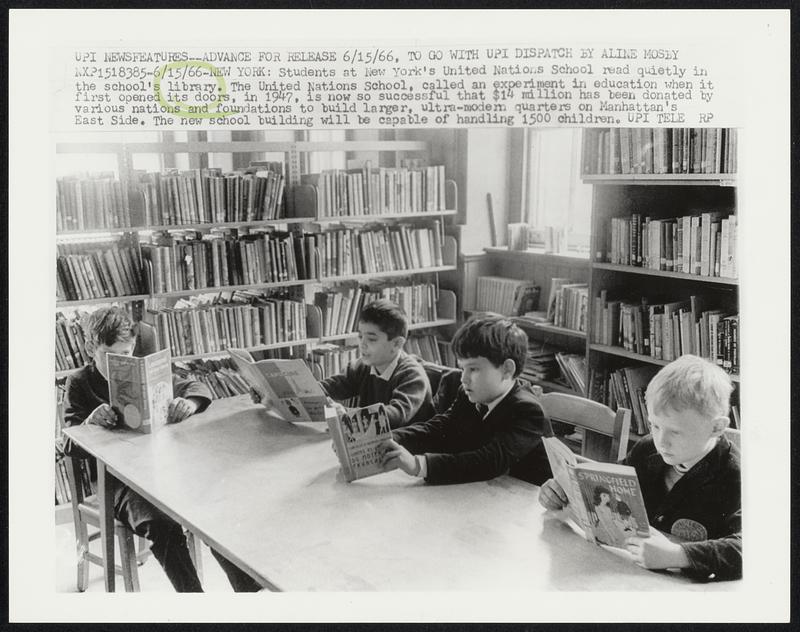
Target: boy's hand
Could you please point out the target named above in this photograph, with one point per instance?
(396, 456)
(552, 495)
(103, 416)
(657, 551)
(179, 409)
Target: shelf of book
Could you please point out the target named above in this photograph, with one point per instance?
(624, 353)
(378, 217)
(384, 275)
(151, 228)
(224, 352)
(105, 299)
(550, 328)
(684, 276)
(432, 324)
(539, 255)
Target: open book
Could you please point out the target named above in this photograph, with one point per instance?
(140, 389)
(287, 387)
(605, 499)
(356, 438)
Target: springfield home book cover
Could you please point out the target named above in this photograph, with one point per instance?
(356, 438)
(605, 499)
(287, 387)
(140, 389)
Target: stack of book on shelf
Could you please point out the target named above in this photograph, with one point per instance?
(91, 202)
(702, 244)
(511, 297)
(540, 364)
(218, 374)
(70, 343)
(567, 304)
(207, 324)
(189, 260)
(411, 188)
(375, 248)
(573, 368)
(431, 349)
(340, 308)
(659, 150)
(98, 269)
(329, 359)
(666, 331)
(203, 196)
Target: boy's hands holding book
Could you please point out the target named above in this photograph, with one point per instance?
(396, 456)
(103, 416)
(180, 408)
(657, 551)
(552, 495)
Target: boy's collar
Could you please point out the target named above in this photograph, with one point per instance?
(492, 404)
(387, 373)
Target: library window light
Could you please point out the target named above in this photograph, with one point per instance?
(557, 204)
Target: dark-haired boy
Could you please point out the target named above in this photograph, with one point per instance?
(110, 330)
(384, 373)
(494, 426)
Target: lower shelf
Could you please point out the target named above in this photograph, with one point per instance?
(624, 353)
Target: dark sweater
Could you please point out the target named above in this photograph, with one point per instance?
(407, 394)
(460, 446)
(87, 389)
(707, 500)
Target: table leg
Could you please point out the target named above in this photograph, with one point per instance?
(105, 501)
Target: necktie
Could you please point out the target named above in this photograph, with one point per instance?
(482, 409)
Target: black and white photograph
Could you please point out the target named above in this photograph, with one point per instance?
(556, 263)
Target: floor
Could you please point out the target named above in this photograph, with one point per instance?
(151, 576)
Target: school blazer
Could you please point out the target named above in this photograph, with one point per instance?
(705, 504)
(461, 446)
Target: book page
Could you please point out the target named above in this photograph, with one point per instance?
(85, 82)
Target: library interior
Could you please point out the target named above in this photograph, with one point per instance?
(614, 250)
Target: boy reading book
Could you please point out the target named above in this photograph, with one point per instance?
(494, 426)
(688, 472)
(384, 374)
(110, 330)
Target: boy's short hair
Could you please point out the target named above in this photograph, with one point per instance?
(388, 316)
(690, 382)
(109, 325)
(495, 338)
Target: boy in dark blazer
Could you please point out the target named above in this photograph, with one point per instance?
(494, 426)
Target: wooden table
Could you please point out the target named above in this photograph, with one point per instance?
(268, 495)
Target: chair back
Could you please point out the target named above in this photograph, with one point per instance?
(605, 433)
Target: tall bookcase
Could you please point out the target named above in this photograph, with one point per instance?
(300, 218)
(706, 191)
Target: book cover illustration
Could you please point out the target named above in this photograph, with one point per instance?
(613, 499)
(356, 438)
(140, 389)
(287, 387)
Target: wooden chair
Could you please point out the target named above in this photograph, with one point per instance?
(734, 436)
(605, 433)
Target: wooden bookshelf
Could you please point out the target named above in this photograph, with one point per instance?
(683, 276)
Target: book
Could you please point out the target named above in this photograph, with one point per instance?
(140, 389)
(605, 499)
(287, 387)
(356, 437)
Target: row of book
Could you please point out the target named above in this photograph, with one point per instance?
(193, 329)
(573, 369)
(568, 305)
(659, 150)
(218, 374)
(98, 270)
(666, 331)
(624, 387)
(431, 349)
(86, 202)
(189, 260)
(340, 308)
(512, 297)
(540, 363)
(385, 190)
(694, 244)
(70, 343)
(198, 196)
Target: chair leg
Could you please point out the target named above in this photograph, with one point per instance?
(82, 548)
(142, 550)
(196, 553)
(127, 554)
